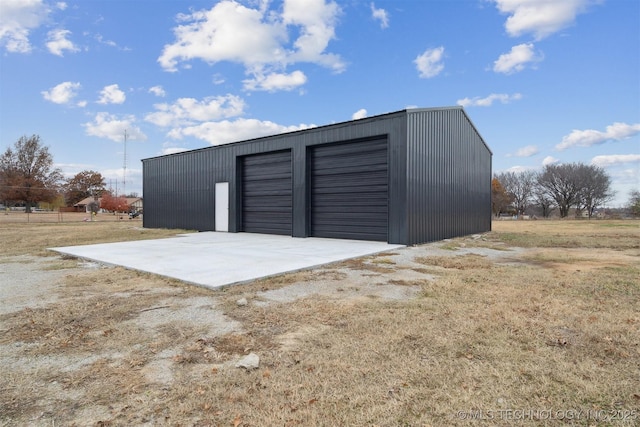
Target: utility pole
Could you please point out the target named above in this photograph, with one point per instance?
(124, 167)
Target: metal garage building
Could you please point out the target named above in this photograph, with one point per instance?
(407, 177)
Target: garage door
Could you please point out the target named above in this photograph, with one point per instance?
(266, 193)
(349, 190)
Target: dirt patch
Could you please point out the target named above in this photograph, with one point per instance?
(27, 282)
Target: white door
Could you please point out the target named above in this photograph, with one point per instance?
(222, 206)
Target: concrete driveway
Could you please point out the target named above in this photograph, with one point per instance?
(213, 259)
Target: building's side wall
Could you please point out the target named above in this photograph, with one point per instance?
(448, 176)
(179, 189)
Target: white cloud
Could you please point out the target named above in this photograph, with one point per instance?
(587, 138)
(109, 126)
(227, 32)
(381, 15)
(62, 93)
(429, 63)
(275, 81)
(111, 95)
(315, 21)
(630, 177)
(257, 38)
(527, 151)
(360, 114)
(190, 111)
(615, 159)
(488, 100)
(516, 59)
(518, 169)
(549, 160)
(168, 148)
(226, 131)
(133, 178)
(61, 5)
(158, 91)
(57, 42)
(540, 17)
(17, 19)
(217, 79)
(100, 39)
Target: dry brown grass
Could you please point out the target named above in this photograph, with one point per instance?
(553, 328)
(19, 238)
(617, 235)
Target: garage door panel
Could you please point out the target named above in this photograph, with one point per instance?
(350, 165)
(358, 205)
(267, 198)
(338, 186)
(267, 193)
(349, 190)
(353, 148)
(334, 232)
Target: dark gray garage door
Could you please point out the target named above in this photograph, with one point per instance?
(349, 190)
(266, 193)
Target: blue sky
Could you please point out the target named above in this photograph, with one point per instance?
(544, 81)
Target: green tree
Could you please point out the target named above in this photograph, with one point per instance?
(27, 174)
(82, 185)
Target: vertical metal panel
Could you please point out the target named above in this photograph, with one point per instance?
(449, 175)
(439, 176)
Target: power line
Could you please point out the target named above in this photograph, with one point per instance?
(15, 187)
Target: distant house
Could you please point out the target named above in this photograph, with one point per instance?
(134, 203)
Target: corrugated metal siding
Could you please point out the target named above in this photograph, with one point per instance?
(449, 175)
(168, 181)
(439, 176)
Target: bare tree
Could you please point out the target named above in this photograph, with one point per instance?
(560, 183)
(634, 203)
(27, 174)
(543, 201)
(595, 188)
(520, 186)
(575, 184)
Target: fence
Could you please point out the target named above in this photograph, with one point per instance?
(41, 217)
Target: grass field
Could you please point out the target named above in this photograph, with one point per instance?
(535, 323)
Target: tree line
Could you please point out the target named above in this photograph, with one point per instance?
(28, 178)
(558, 187)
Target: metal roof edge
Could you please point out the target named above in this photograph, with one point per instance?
(311, 129)
(382, 116)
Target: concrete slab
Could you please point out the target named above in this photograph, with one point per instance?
(214, 259)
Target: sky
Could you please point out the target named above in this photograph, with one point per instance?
(544, 81)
